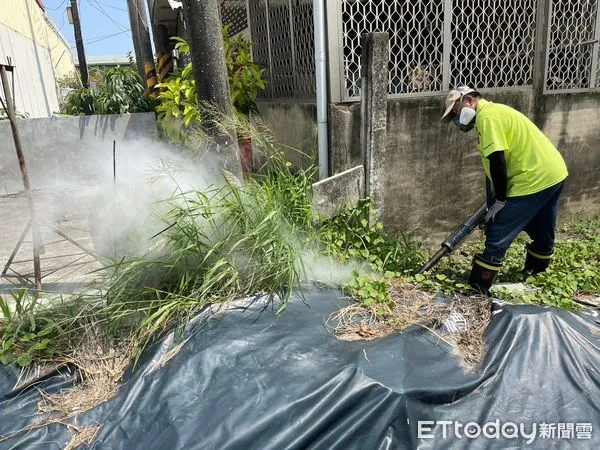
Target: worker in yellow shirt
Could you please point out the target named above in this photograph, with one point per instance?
(524, 179)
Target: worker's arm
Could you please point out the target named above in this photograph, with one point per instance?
(489, 192)
(499, 175)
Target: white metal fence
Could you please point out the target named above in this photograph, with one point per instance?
(434, 44)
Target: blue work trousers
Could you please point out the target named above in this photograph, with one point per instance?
(535, 214)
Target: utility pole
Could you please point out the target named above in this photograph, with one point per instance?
(203, 20)
(141, 43)
(83, 70)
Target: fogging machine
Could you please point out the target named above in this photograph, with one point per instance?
(457, 237)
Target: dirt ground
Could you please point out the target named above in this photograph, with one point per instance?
(65, 267)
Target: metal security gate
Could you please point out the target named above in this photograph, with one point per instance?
(572, 51)
(283, 44)
(234, 14)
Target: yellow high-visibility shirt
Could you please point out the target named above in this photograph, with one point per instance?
(532, 162)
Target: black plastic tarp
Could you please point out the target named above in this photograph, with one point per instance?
(248, 379)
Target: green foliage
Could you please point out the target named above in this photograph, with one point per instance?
(71, 81)
(373, 292)
(219, 244)
(80, 101)
(438, 283)
(25, 335)
(354, 234)
(245, 77)
(178, 108)
(122, 92)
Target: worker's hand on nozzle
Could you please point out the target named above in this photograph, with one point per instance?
(493, 211)
(483, 227)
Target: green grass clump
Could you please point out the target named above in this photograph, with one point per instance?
(222, 244)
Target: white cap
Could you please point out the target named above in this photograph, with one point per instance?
(451, 98)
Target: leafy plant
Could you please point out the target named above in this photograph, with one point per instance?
(122, 92)
(372, 291)
(178, 108)
(24, 334)
(353, 234)
(245, 77)
(70, 80)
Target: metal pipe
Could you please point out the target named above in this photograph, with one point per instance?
(36, 238)
(321, 78)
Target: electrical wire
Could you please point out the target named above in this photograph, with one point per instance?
(57, 8)
(113, 7)
(99, 8)
(92, 41)
(101, 38)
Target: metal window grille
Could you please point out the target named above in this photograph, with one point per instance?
(233, 12)
(416, 42)
(572, 52)
(435, 45)
(283, 44)
(492, 43)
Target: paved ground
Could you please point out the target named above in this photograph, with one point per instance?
(65, 267)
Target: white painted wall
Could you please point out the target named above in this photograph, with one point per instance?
(35, 86)
(39, 52)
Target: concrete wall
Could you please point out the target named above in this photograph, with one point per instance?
(67, 150)
(295, 126)
(434, 177)
(343, 190)
(572, 122)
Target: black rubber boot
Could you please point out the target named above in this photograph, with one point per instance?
(536, 261)
(483, 274)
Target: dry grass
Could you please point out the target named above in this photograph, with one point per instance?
(164, 359)
(35, 372)
(99, 368)
(469, 344)
(100, 373)
(416, 307)
(82, 436)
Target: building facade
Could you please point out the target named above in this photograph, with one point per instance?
(39, 53)
(539, 56)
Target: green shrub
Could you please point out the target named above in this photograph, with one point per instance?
(354, 234)
(178, 108)
(24, 334)
(122, 92)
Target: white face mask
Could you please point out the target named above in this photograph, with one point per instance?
(466, 115)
